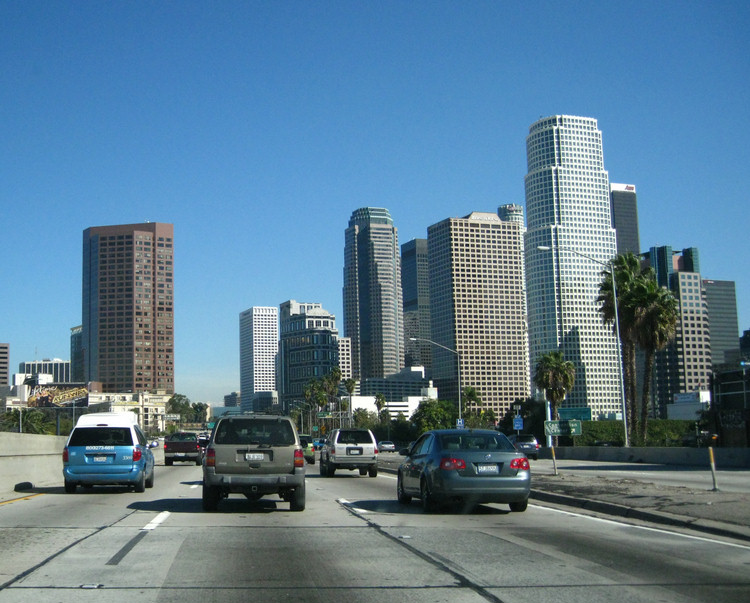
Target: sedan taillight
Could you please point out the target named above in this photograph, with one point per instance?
(448, 463)
(522, 464)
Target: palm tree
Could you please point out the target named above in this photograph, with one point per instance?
(350, 385)
(629, 274)
(555, 376)
(656, 325)
(380, 404)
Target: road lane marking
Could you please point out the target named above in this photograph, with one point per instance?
(160, 518)
(646, 528)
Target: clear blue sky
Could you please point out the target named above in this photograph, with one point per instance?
(256, 128)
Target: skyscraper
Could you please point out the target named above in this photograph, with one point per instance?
(568, 213)
(373, 310)
(685, 364)
(4, 364)
(308, 348)
(128, 307)
(478, 309)
(259, 344)
(624, 204)
(415, 283)
(721, 300)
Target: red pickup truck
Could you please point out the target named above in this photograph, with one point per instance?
(182, 446)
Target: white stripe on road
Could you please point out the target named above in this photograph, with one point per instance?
(160, 518)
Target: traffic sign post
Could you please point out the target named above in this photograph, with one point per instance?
(518, 423)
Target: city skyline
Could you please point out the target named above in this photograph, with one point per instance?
(257, 130)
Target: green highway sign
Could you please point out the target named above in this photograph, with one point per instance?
(324, 415)
(570, 427)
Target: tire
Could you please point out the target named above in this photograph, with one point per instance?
(140, 485)
(331, 469)
(297, 502)
(323, 470)
(373, 471)
(402, 497)
(150, 480)
(198, 461)
(363, 471)
(70, 487)
(428, 500)
(519, 507)
(210, 499)
(168, 462)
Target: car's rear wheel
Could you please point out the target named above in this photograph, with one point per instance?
(428, 500)
(373, 471)
(363, 471)
(140, 485)
(70, 487)
(211, 497)
(402, 497)
(168, 462)
(330, 469)
(198, 461)
(297, 502)
(150, 480)
(519, 507)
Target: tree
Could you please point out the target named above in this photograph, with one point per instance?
(180, 405)
(656, 325)
(434, 414)
(629, 275)
(380, 405)
(555, 376)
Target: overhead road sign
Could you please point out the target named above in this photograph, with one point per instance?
(571, 427)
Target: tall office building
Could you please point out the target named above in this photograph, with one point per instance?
(723, 326)
(624, 205)
(415, 283)
(59, 369)
(478, 309)
(4, 364)
(128, 307)
(373, 310)
(568, 213)
(308, 348)
(345, 358)
(685, 364)
(259, 344)
(76, 354)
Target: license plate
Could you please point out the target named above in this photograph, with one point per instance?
(355, 451)
(487, 468)
(100, 459)
(179, 454)
(253, 456)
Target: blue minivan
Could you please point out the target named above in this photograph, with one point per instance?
(108, 448)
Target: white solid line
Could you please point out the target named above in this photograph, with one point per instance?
(160, 518)
(647, 528)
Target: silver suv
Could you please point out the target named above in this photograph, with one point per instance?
(254, 455)
(349, 448)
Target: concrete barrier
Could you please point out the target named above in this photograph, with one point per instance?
(726, 458)
(29, 461)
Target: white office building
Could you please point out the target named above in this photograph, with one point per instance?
(259, 345)
(568, 212)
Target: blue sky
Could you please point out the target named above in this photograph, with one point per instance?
(256, 128)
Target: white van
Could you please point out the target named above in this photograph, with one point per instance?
(108, 448)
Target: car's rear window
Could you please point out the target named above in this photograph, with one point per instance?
(355, 436)
(305, 440)
(526, 439)
(182, 437)
(101, 436)
(476, 441)
(255, 431)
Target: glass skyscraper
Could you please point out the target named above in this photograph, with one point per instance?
(568, 211)
(373, 306)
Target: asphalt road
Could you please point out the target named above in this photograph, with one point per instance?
(354, 542)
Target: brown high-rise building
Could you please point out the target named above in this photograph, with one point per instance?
(128, 307)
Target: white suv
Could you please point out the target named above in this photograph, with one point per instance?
(349, 448)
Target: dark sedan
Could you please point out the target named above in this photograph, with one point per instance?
(464, 467)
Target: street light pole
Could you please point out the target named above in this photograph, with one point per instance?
(610, 264)
(458, 369)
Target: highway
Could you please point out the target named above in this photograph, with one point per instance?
(353, 543)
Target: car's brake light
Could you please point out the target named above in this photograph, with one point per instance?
(376, 450)
(449, 464)
(299, 458)
(165, 446)
(522, 463)
(137, 454)
(210, 460)
(65, 454)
